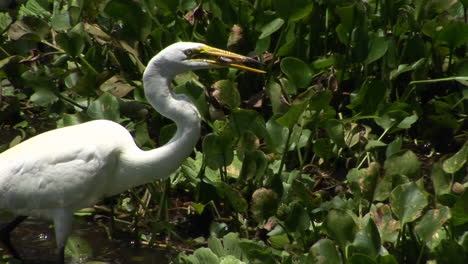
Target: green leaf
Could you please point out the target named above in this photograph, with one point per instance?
(408, 121)
(78, 247)
(271, 27)
(298, 219)
(325, 252)
(291, 117)
(336, 131)
(43, 96)
(226, 93)
(378, 46)
(264, 204)
(72, 42)
(460, 209)
(61, 20)
(293, 9)
(431, 222)
(371, 144)
(31, 28)
(456, 162)
(388, 227)
(407, 202)
(35, 8)
(105, 106)
(367, 240)
(449, 251)
(361, 259)
(297, 71)
(206, 256)
(403, 163)
(218, 150)
(347, 16)
(393, 147)
(454, 34)
(235, 198)
(323, 148)
(136, 23)
(441, 181)
(5, 21)
(340, 226)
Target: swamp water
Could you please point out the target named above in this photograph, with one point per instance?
(88, 244)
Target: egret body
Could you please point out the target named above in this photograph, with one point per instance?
(60, 171)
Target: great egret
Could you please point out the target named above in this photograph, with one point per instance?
(60, 171)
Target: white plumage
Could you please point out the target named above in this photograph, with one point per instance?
(58, 172)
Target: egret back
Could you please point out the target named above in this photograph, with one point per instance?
(69, 168)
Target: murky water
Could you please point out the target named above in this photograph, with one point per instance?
(34, 240)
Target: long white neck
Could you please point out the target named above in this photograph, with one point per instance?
(138, 166)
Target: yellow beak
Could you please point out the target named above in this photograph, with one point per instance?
(229, 59)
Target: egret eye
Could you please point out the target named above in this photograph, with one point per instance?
(188, 52)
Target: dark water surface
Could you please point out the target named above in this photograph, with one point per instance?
(34, 240)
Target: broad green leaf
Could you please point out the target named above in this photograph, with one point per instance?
(323, 148)
(43, 96)
(441, 181)
(264, 204)
(297, 71)
(387, 259)
(454, 34)
(105, 106)
(367, 240)
(248, 120)
(386, 121)
(340, 226)
(361, 259)
(364, 181)
(335, 131)
(226, 93)
(293, 9)
(403, 163)
(456, 162)
(408, 121)
(231, 245)
(31, 28)
(369, 97)
(325, 252)
(274, 92)
(206, 256)
(449, 251)
(460, 209)
(291, 117)
(393, 147)
(387, 225)
(136, 23)
(234, 197)
(72, 42)
(256, 250)
(347, 16)
(377, 48)
(271, 27)
(218, 150)
(78, 247)
(5, 21)
(279, 241)
(61, 20)
(36, 8)
(371, 144)
(407, 202)
(278, 135)
(431, 222)
(298, 219)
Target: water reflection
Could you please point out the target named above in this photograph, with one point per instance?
(34, 240)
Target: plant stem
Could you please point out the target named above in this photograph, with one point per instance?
(286, 147)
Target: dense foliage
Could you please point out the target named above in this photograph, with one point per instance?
(351, 149)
